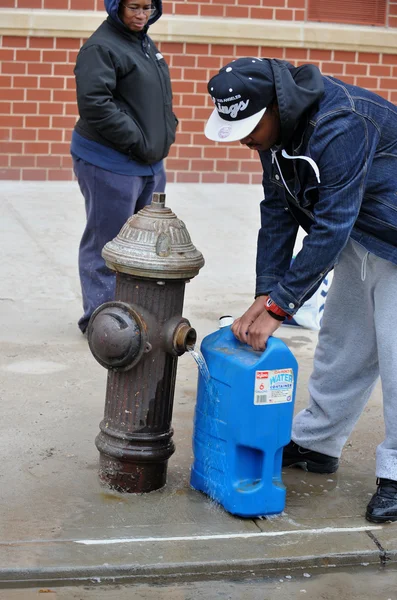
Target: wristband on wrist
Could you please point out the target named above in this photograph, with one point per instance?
(275, 311)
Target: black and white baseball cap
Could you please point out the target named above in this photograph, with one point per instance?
(241, 91)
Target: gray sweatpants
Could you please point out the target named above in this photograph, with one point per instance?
(357, 344)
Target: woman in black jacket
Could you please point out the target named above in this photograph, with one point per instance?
(124, 132)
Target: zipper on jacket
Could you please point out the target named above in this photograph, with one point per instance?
(274, 160)
(145, 45)
(162, 85)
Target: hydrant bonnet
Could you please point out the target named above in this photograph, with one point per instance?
(154, 243)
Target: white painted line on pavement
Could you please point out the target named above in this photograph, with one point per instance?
(225, 536)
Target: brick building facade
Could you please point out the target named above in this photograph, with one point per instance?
(39, 41)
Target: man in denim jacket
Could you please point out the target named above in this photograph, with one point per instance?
(329, 157)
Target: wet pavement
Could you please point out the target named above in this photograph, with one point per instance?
(57, 524)
(357, 584)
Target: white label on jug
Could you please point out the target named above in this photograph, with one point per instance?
(273, 387)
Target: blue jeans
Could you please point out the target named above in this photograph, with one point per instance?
(110, 199)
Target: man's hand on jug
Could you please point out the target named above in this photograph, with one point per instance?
(261, 329)
(241, 325)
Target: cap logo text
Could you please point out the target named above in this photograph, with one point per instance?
(233, 109)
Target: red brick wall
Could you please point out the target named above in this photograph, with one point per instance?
(54, 4)
(242, 9)
(392, 21)
(38, 106)
(286, 10)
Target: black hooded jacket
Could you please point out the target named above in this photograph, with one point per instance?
(124, 91)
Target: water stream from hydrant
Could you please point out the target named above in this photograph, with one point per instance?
(211, 390)
(200, 360)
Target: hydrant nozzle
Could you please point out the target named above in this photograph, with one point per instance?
(117, 336)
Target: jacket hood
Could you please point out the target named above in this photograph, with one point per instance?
(297, 89)
(112, 8)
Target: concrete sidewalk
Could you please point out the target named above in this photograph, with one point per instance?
(57, 524)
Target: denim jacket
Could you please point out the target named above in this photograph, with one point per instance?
(337, 179)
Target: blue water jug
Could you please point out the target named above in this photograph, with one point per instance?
(242, 422)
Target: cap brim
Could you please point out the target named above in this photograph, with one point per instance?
(220, 130)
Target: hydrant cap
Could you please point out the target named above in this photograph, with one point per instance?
(154, 243)
(115, 336)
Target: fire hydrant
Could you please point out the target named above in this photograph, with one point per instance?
(138, 338)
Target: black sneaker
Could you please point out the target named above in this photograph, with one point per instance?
(315, 462)
(383, 504)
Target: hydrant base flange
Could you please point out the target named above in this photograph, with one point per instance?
(132, 478)
(134, 464)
